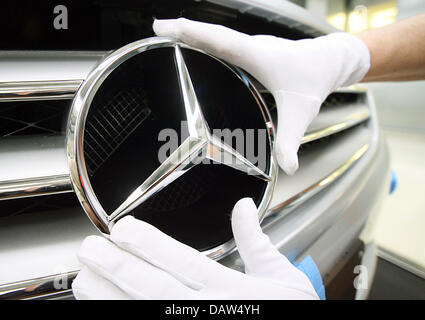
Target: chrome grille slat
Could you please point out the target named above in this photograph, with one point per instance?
(33, 166)
(330, 122)
(320, 165)
(38, 90)
(342, 110)
(26, 67)
(35, 187)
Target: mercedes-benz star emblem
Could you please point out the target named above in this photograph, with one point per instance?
(199, 145)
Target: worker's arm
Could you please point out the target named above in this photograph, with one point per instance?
(397, 51)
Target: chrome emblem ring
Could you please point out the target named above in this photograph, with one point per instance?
(200, 143)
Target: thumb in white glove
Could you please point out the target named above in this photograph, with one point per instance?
(141, 262)
(300, 74)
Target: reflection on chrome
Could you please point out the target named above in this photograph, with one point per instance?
(47, 287)
(35, 187)
(38, 90)
(346, 123)
(282, 208)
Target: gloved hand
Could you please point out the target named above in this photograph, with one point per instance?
(300, 74)
(141, 262)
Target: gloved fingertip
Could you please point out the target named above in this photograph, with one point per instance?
(244, 213)
(81, 280)
(244, 204)
(288, 161)
(76, 284)
(290, 167)
(79, 293)
(126, 228)
(164, 27)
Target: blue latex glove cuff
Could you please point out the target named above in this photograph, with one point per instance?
(310, 269)
(393, 182)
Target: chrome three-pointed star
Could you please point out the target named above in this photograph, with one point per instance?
(199, 145)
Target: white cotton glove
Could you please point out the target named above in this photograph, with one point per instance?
(300, 74)
(141, 262)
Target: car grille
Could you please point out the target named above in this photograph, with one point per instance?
(32, 117)
(26, 123)
(35, 99)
